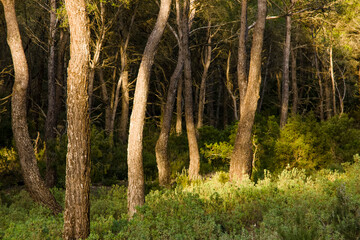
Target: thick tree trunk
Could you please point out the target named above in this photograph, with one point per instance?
(51, 117)
(77, 202)
(206, 65)
(179, 107)
(35, 185)
(241, 65)
(285, 77)
(294, 88)
(136, 195)
(161, 148)
(241, 159)
(194, 167)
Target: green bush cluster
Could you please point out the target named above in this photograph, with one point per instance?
(291, 205)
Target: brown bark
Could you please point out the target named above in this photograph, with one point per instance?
(285, 77)
(194, 166)
(206, 65)
(161, 148)
(51, 117)
(241, 159)
(265, 80)
(136, 195)
(241, 65)
(328, 110)
(318, 75)
(179, 107)
(108, 105)
(35, 185)
(295, 94)
(229, 87)
(77, 202)
(333, 83)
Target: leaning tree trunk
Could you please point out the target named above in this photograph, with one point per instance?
(241, 158)
(194, 167)
(285, 78)
(161, 148)
(206, 64)
(77, 202)
(35, 185)
(51, 117)
(136, 194)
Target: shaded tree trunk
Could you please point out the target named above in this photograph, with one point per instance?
(241, 158)
(295, 94)
(285, 77)
(318, 75)
(51, 117)
(328, 110)
(136, 195)
(230, 87)
(194, 166)
(34, 184)
(265, 81)
(77, 202)
(206, 65)
(179, 107)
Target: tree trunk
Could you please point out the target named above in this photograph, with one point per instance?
(241, 159)
(285, 78)
(265, 81)
(333, 84)
(161, 148)
(51, 118)
(77, 202)
(241, 65)
(179, 107)
(229, 87)
(206, 64)
(194, 166)
(136, 195)
(106, 99)
(35, 185)
(318, 74)
(295, 94)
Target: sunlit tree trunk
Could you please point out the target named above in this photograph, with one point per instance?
(241, 64)
(285, 77)
(241, 158)
(77, 202)
(34, 184)
(318, 75)
(179, 107)
(136, 194)
(332, 80)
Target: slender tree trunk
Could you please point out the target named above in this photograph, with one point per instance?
(333, 84)
(318, 74)
(241, 159)
(265, 80)
(136, 195)
(242, 55)
(108, 105)
(229, 87)
(51, 117)
(35, 185)
(295, 94)
(161, 148)
(285, 78)
(327, 97)
(206, 64)
(77, 201)
(179, 107)
(194, 167)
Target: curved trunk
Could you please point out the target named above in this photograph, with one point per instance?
(35, 185)
(241, 159)
(77, 202)
(136, 195)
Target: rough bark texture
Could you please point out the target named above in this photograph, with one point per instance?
(51, 116)
(161, 148)
(34, 184)
(295, 94)
(136, 195)
(241, 65)
(241, 159)
(206, 65)
(286, 78)
(179, 107)
(77, 202)
(194, 166)
(333, 83)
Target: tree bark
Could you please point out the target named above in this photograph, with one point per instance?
(206, 65)
(194, 155)
(136, 195)
(35, 185)
(51, 118)
(242, 55)
(295, 94)
(229, 87)
(241, 158)
(77, 202)
(285, 78)
(318, 74)
(333, 83)
(179, 107)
